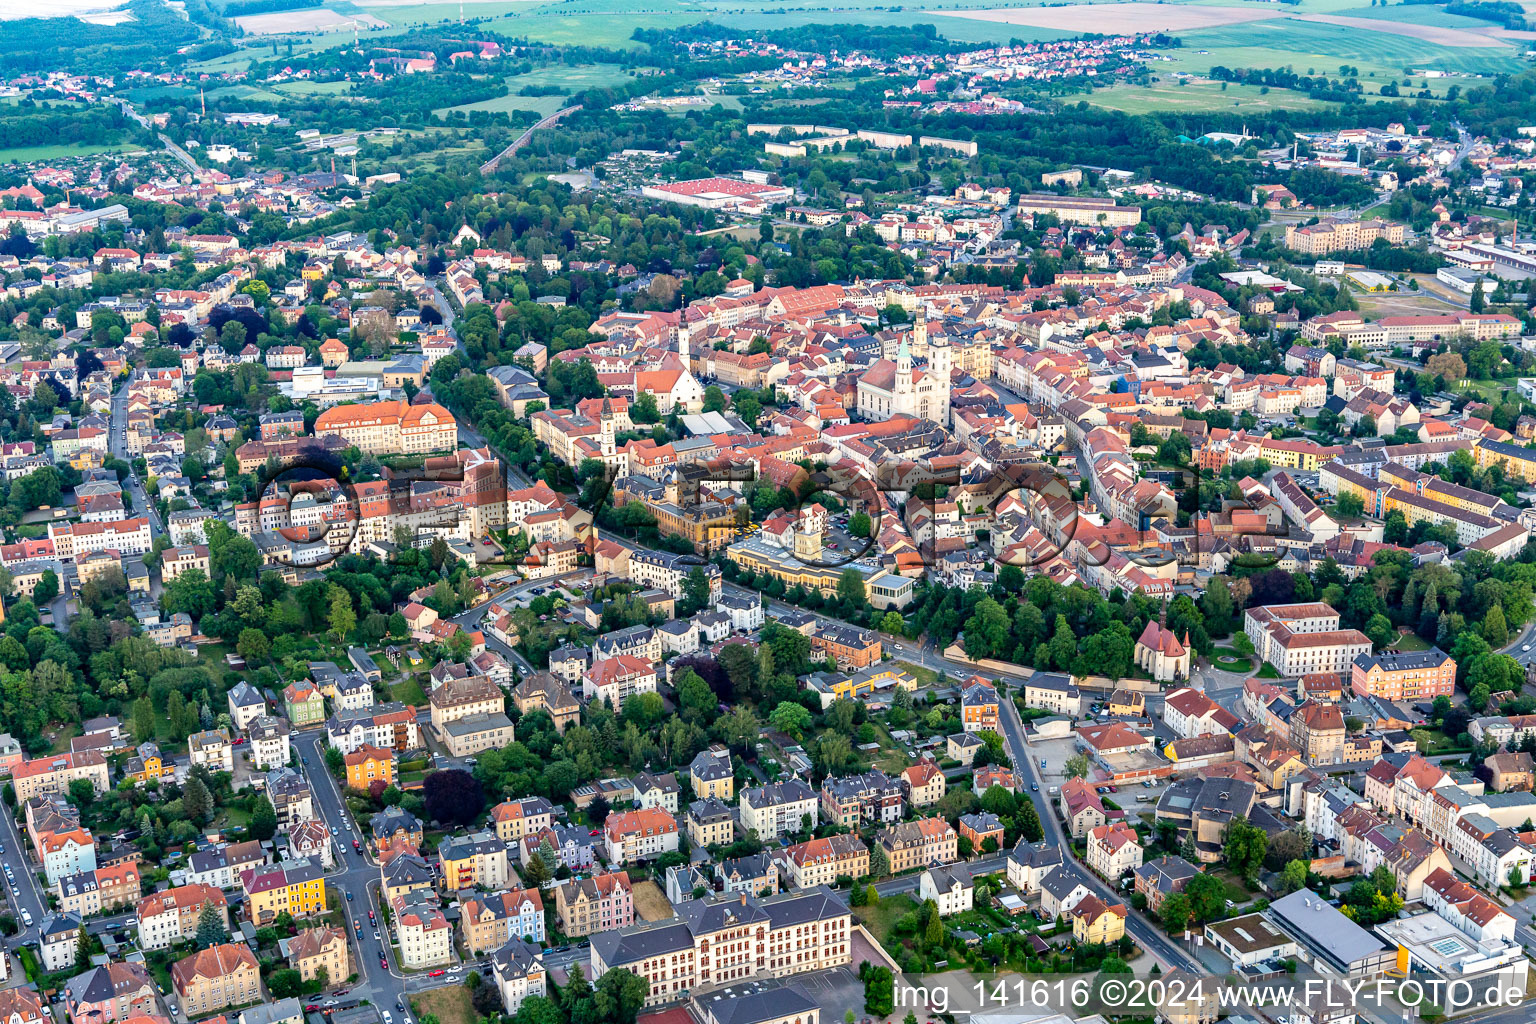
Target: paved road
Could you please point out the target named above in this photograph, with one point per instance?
(180, 154)
(28, 895)
(359, 876)
(1163, 949)
(119, 446)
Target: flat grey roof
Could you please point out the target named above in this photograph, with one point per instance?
(1324, 928)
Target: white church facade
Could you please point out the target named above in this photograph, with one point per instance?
(892, 387)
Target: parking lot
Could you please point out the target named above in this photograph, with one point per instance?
(1133, 798)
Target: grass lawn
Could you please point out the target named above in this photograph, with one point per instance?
(1268, 671)
(27, 154)
(1440, 743)
(924, 676)
(1409, 642)
(66, 733)
(882, 916)
(1169, 95)
(408, 692)
(1237, 892)
(449, 1004)
(1228, 660)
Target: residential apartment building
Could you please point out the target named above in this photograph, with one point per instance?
(856, 800)
(367, 765)
(477, 860)
(296, 888)
(216, 977)
(632, 836)
(1409, 676)
(268, 736)
(460, 698)
(489, 922)
(778, 808)
(222, 866)
(921, 843)
(321, 952)
(517, 818)
(46, 776)
(421, 930)
(602, 903)
(822, 861)
(114, 992)
(171, 915)
(709, 823)
(1114, 849)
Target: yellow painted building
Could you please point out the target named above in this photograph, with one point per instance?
(368, 764)
(148, 764)
(1097, 923)
(1517, 461)
(868, 682)
(1290, 453)
(298, 890)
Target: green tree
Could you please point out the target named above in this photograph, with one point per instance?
(197, 801)
(1495, 631)
(1293, 876)
(879, 992)
(1028, 821)
(695, 593)
(210, 927)
(879, 864)
(1076, 767)
(619, 995)
(790, 718)
(850, 588)
(47, 588)
(858, 524)
(143, 719)
(343, 618)
(933, 925)
(1243, 848)
(253, 645)
(1176, 913)
(285, 983)
(263, 819)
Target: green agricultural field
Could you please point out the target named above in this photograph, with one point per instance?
(246, 92)
(312, 88)
(27, 154)
(1199, 96)
(1288, 41)
(571, 79)
(612, 22)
